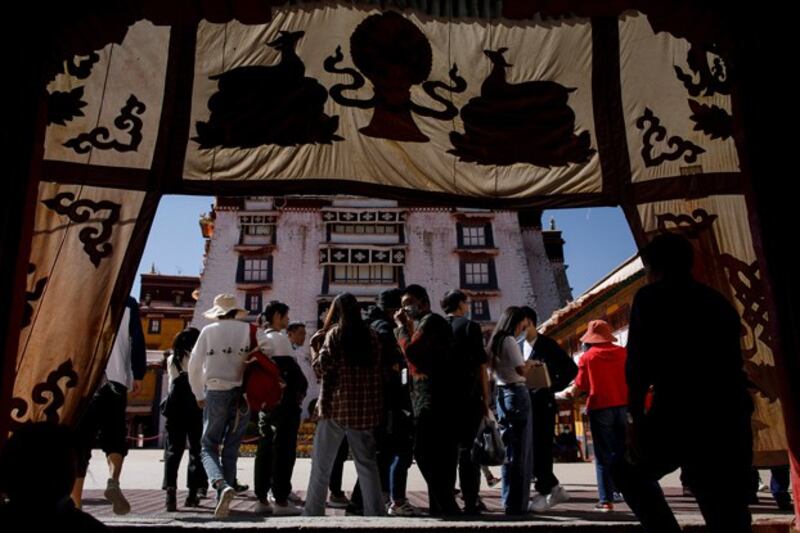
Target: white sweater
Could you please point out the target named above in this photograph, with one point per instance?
(217, 361)
(272, 342)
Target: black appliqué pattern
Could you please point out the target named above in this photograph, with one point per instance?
(711, 120)
(83, 68)
(394, 55)
(748, 289)
(62, 106)
(128, 121)
(32, 296)
(48, 393)
(529, 122)
(80, 211)
(653, 130)
(711, 73)
(711, 78)
(277, 104)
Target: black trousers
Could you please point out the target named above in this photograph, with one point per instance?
(469, 472)
(436, 451)
(543, 409)
(277, 450)
(179, 430)
(716, 464)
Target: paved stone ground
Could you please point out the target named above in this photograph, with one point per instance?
(142, 475)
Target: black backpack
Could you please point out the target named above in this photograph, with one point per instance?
(180, 401)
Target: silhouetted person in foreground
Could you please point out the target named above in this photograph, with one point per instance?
(37, 470)
(684, 348)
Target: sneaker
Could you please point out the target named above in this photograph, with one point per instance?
(604, 507)
(263, 507)
(295, 499)
(241, 489)
(404, 509)
(338, 501)
(224, 499)
(557, 495)
(538, 504)
(618, 498)
(118, 502)
(285, 508)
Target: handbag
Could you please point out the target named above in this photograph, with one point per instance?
(180, 401)
(488, 448)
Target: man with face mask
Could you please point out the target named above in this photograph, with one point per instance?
(426, 341)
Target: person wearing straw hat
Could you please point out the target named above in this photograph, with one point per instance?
(216, 369)
(601, 373)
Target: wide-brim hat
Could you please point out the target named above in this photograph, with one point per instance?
(598, 332)
(224, 304)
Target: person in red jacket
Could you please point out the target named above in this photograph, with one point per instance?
(601, 373)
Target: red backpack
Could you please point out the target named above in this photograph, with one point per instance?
(263, 385)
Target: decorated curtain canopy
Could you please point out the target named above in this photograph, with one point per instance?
(474, 103)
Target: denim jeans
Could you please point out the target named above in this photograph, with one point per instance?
(514, 419)
(327, 440)
(225, 419)
(608, 435)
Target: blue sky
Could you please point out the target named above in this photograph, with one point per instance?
(597, 240)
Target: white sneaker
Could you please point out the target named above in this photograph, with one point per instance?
(557, 495)
(285, 509)
(224, 500)
(538, 504)
(263, 507)
(114, 494)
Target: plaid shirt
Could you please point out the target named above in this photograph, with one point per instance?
(350, 395)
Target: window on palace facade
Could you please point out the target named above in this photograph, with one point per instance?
(480, 310)
(154, 326)
(254, 270)
(364, 274)
(474, 235)
(367, 229)
(478, 274)
(253, 303)
(257, 229)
